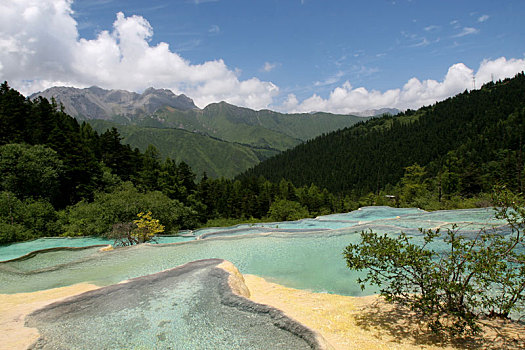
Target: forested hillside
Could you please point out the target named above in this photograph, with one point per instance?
(221, 139)
(458, 147)
(60, 177)
(263, 128)
(201, 152)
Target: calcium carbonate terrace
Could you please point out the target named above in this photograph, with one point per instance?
(304, 254)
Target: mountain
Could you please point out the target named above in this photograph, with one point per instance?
(263, 128)
(97, 103)
(202, 153)
(259, 134)
(162, 109)
(377, 112)
(466, 145)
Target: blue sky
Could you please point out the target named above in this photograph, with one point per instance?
(289, 55)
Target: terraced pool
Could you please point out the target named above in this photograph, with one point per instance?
(305, 254)
(188, 310)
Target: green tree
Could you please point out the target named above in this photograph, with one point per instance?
(11, 229)
(449, 286)
(148, 177)
(122, 205)
(118, 157)
(14, 110)
(40, 217)
(25, 219)
(141, 230)
(413, 189)
(30, 171)
(285, 210)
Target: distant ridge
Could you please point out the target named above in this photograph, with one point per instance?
(221, 139)
(161, 108)
(98, 103)
(377, 112)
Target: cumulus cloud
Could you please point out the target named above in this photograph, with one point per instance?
(414, 94)
(40, 47)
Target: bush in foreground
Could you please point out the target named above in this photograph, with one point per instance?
(452, 286)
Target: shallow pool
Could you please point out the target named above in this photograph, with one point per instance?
(301, 258)
(16, 250)
(188, 307)
(190, 312)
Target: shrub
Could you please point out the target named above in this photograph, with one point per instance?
(122, 205)
(139, 231)
(286, 210)
(451, 287)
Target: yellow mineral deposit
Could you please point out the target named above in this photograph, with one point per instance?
(15, 307)
(370, 323)
(344, 322)
(107, 248)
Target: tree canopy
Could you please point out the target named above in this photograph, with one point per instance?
(466, 144)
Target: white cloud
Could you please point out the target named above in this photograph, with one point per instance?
(290, 104)
(431, 28)
(422, 42)
(455, 23)
(466, 31)
(414, 94)
(269, 66)
(499, 69)
(331, 79)
(40, 47)
(483, 18)
(215, 29)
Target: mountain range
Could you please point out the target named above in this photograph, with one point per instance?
(97, 103)
(220, 139)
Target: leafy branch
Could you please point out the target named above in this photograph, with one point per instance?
(450, 278)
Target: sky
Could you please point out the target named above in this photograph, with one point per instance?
(337, 56)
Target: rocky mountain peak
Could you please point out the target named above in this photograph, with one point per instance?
(97, 103)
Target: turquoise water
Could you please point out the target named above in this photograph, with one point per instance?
(328, 222)
(306, 259)
(311, 261)
(16, 250)
(190, 307)
(189, 312)
(394, 219)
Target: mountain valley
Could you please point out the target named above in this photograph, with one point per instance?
(220, 139)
